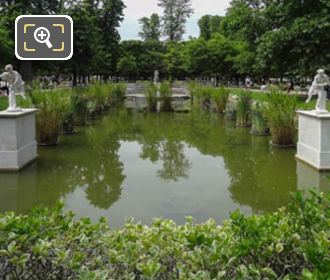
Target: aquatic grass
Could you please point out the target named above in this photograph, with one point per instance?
(79, 101)
(258, 120)
(280, 113)
(203, 96)
(244, 109)
(220, 98)
(150, 92)
(192, 88)
(119, 91)
(52, 107)
(165, 90)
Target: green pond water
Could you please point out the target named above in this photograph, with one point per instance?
(167, 165)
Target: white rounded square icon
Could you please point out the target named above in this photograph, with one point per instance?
(43, 37)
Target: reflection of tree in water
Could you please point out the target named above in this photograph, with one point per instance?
(250, 164)
(260, 178)
(175, 164)
(150, 151)
(161, 139)
(102, 173)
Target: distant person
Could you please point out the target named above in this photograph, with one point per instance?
(290, 86)
(248, 82)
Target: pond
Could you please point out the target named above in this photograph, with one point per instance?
(129, 164)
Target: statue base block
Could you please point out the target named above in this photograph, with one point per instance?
(314, 134)
(18, 145)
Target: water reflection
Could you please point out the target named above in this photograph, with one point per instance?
(169, 165)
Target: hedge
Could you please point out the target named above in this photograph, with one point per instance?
(51, 244)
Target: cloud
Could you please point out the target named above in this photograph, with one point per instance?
(136, 9)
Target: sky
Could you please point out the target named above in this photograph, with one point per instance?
(136, 9)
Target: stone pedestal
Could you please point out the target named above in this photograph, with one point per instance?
(18, 145)
(314, 139)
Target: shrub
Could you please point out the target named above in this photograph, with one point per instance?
(281, 114)
(52, 106)
(48, 244)
(150, 91)
(166, 96)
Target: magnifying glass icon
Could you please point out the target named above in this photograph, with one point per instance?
(41, 35)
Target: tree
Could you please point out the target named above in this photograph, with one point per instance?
(148, 55)
(209, 25)
(176, 13)
(9, 10)
(127, 66)
(150, 28)
(196, 57)
(174, 59)
(83, 40)
(110, 16)
(204, 27)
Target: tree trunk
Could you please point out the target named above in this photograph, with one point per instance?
(74, 82)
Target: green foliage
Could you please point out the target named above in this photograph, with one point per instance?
(51, 244)
(280, 113)
(192, 87)
(96, 36)
(175, 15)
(259, 123)
(209, 25)
(203, 96)
(244, 109)
(127, 66)
(150, 28)
(220, 97)
(52, 106)
(150, 91)
(165, 91)
(148, 56)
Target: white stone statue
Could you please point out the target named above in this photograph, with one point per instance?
(321, 80)
(156, 77)
(16, 86)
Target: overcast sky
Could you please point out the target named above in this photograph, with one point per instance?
(136, 9)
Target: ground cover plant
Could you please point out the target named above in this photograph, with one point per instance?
(288, 244)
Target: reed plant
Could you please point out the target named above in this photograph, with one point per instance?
(259, 123)
(280, 113)
(192, 88)
(150, 92)
(203, 95)
(165, 90)
(244, 109)
(119, 91)
(79, 101)
(220, 98)
(52, 107)
(97, 95)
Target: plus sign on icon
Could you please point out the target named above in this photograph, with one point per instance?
(44, 37)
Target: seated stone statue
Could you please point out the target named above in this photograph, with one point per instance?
(320, 82)
(16, 85)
